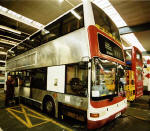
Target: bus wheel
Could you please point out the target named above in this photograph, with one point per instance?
(49, 107)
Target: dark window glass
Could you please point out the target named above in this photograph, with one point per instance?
(21, 77)
(15, 78)
(104, 21)
(108, 47)
(60, 27)
(103, 79)
(77, 79)
(71, 23)
(39, 78)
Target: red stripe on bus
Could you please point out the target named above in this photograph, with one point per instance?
(106, 102)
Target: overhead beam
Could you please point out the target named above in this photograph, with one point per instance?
(132, 29)
(12, 35)
(10, 38)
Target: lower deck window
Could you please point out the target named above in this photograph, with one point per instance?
(77, 79)
(39, 78)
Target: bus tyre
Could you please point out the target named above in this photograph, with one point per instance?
(49, 107)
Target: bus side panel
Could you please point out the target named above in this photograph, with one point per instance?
(70, 48)
(76, 102)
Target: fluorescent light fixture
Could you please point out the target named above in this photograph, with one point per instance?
(18, 17)
(76, 14)
(131, 39)
(38, 24)
(1, 61)
(14, 13)
(72, 11)
(3, 8)
(60, 1)
(8, 42)
(26, 19)
(3, 53)
(10, 29)
(107, 7)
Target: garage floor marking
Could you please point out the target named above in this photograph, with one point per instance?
(27, 122)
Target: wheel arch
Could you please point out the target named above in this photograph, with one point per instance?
(46, 98)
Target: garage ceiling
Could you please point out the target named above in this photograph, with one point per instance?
(44, 11)
(135, 13)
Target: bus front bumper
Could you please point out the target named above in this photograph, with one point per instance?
(100, 123)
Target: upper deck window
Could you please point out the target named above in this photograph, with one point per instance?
(104, 21)
(64, 25)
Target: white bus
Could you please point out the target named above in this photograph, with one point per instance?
(72, 67)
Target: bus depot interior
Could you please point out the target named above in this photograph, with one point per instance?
(75, 65)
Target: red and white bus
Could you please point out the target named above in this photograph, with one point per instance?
(134, 63)
(74, 68)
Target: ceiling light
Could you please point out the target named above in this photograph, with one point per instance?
(3, 9)
(14, 13)
(107, 7)
(38, 24)
(26, 19)
(76, 14)
(131, 39)
(18, 17)
(3, 53)
(1, 61)
(8, 42)
(10, 29)
(60, 1)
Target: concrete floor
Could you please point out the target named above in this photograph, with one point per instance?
(23, 118)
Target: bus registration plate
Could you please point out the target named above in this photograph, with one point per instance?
(118, 114)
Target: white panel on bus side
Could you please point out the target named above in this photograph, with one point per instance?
(56, 79)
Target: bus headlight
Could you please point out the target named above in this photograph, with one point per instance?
(94, 115)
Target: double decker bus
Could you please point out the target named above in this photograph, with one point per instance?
(73, 67)
(134, 73)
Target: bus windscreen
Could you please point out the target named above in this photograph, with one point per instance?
(109, 48)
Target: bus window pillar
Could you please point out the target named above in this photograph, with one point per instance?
(89, 83)
(88, 13)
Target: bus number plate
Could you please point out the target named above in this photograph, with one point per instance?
(118, 114)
